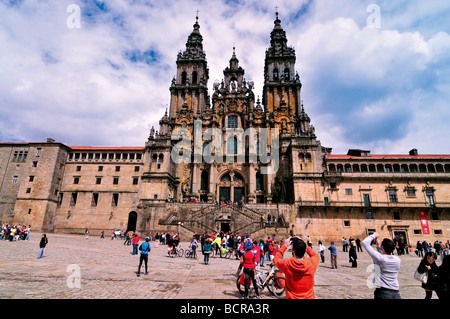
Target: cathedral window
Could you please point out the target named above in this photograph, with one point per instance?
(286, 74)
(275, 74)
(226, 178)
(232, 121)
(194, 77)
(232, 145)
(183, 78)
(259, 181)
(204, 181)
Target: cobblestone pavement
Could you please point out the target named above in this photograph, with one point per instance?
(106, 269)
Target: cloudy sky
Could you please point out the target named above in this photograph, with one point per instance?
(374, 77)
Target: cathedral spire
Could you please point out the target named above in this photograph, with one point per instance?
(234, 62)
(194, 44)
(278, 40)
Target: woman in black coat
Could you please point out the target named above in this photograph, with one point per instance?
(428, 264)
(352, 255)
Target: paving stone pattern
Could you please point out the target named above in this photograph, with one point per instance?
(107, 270)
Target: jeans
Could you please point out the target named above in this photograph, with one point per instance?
(262, 260)
(135, 249)
(206, 256)
(386, 294)
(41, 253)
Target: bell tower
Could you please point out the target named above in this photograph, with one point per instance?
(282, 86)
(188, 91)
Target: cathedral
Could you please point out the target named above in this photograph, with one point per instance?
(227, 161)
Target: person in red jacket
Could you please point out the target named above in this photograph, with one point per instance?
(298, 270)
(249, 265)
(272, 249)
(135, 243)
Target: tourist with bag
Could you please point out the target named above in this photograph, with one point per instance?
(145, 248)
(428, 266)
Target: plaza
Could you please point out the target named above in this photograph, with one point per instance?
(77, 268)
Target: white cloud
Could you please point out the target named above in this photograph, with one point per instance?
(105, 83)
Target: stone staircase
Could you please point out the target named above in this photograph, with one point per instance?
(191, 219)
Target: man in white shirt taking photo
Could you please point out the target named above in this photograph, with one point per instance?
(386, 267)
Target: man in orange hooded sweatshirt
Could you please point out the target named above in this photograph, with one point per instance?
(299, 271)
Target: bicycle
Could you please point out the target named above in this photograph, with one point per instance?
(176, 251)
(224, 252)
(273, 279)
(189, 253)
(230, 252)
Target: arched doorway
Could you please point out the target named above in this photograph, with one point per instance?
(132, 221)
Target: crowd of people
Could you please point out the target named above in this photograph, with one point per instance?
(237, 204)
(299, 270)
(14, 232)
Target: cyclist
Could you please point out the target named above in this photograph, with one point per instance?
(248, 263)
(170, 246)
(193, 245)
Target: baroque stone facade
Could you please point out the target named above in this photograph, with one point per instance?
(210, 152)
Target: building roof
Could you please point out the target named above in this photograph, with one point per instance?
(104, 148)
(81, 148)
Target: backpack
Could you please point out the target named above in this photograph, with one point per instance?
(146, 248)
